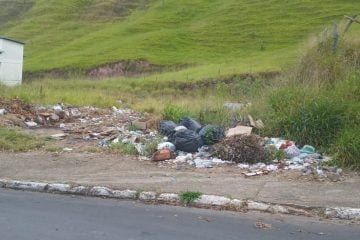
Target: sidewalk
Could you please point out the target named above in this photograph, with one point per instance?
(129, 173)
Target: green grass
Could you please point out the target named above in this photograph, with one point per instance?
(123, 148)
(12, 140)
(189, 197)
(223, 36)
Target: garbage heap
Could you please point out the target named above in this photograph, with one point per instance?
(188, 142)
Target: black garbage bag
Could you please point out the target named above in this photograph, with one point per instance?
(211, 134)
(186, 140)
(190, 123)
(167, 127)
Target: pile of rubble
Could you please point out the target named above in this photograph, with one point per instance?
(86, 123)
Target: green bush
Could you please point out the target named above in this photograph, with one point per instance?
(305, 118)
(346, 150)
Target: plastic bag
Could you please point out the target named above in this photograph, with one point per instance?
(190, 123)
(167, 127)
(186, 140)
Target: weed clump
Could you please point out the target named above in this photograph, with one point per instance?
(189, 197)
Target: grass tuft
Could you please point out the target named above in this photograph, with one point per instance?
(189, 197)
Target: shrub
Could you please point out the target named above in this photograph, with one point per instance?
(346, 150)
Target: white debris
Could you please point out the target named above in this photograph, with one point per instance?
(2, 111)
(31, 124)
(179, 128)
(202, 163)
(67, 149)
(166, 145)
(58, 136)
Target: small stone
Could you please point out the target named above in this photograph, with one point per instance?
(54, 117)
(168, 197)
(125, 194)
(2, 111)
(100, 192)
(75, 112)
(31, 124)
(147, 196)
(334, 177)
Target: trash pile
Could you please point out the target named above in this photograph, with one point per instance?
(207, 146)
(187, 143)
(86, 123)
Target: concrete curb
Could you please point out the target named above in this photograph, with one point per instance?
(205, 201)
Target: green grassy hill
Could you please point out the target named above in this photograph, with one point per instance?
(227, 36)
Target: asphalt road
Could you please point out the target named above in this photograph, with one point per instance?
(30, 216)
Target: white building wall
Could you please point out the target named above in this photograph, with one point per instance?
(11, 62)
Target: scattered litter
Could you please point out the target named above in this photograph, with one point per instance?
(31, 124)
(166, 145)
(202, 163)
(67, 149)
(59, 136)
(241, 148)
(261, 225)
(167, 127)
(2, 111)
(162, 155)
(239, 130)
(186, 140)
(179, 128)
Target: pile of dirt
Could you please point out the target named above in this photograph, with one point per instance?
(241, 149)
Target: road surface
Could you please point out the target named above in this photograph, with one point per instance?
(38, 216)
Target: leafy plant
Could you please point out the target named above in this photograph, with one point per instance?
(189, 197)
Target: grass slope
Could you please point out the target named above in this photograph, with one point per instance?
(226, 36)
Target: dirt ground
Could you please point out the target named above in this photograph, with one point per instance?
(287, 187)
